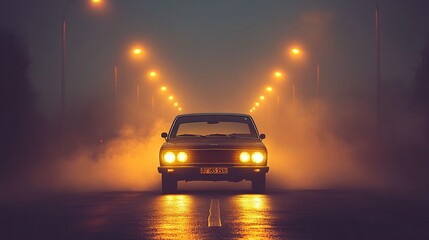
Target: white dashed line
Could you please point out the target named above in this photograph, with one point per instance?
(214, 214)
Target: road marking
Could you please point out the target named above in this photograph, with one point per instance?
(214, 214)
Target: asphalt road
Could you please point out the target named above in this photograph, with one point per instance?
(317, 214)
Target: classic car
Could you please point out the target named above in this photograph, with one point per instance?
(213, 147)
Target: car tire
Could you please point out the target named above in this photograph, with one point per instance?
(169, 184)
(258, 184)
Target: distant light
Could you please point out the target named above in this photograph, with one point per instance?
(96, 1)
(251, 110)
(262, 97)
(180, 109)
(153, 74)
(295, 51)
(278, 74)
(176, 104)
(254, 108)
(269, 89)
(136, 51)
(163, 88)
(170, 98)
(257, 104)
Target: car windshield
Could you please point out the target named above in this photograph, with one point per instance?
(214, 126)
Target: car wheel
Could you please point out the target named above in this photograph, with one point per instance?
(169, 184)
(258, 184)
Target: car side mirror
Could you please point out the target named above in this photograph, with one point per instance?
(262, 136)
(164, 135)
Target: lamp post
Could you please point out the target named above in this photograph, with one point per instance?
(278, 75)
(63, 51)
(296, 52)
(153, 75)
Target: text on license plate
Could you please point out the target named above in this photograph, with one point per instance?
(214, 170)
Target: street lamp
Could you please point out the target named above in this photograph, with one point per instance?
(137, 51)
(278, 74)
(153, 74)
(63, 50)
(295, 51)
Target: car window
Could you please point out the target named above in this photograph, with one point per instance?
(205, 128)
(236, 126)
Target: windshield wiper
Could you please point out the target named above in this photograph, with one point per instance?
(239, 135)
(190, 135)
(217, 135)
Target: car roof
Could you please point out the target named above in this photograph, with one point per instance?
(214, 114)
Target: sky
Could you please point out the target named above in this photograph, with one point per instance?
(218, 54)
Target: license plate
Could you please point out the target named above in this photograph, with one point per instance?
(214, 170)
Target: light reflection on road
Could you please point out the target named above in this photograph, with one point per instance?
(253, 217)
(175, 218)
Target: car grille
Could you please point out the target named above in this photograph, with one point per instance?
(213, 156)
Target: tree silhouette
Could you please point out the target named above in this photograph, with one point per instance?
(16, 100)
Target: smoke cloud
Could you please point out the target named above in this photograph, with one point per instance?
(127, 162)
(312, 146)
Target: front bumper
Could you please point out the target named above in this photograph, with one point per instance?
(192, 173)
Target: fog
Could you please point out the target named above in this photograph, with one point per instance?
(127, 162)
(306, 150)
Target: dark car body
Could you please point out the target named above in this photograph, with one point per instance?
(217, 153)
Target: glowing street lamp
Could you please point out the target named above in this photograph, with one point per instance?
(180, 109)
(262, 97)
(278, 74)
(170, 98)
(96, 3)
(295, 51)
(269, 89)
(137, 51)
(176, 104)
(257, 104)
(163, 88)
(63, 51)
(153, 74)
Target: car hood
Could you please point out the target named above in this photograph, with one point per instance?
(213, 143)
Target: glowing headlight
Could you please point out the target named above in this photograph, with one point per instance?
(182, 157)
(257, 157)
(244, 157)
(169, 157)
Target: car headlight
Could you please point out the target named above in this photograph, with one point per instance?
(182, 157)
(169, 157)
(257, 157)
(244, 157)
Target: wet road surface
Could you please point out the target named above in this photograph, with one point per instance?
(318, 214)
